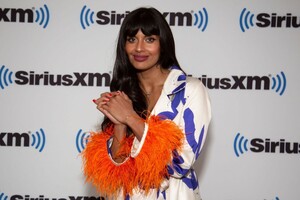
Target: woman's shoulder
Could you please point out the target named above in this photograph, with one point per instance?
(193, 82)
(197, 94)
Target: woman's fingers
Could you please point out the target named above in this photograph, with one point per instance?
(119, 106)
(103, 104)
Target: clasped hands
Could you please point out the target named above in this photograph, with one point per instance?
(116, 106)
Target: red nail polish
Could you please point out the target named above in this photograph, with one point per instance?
(94, 100)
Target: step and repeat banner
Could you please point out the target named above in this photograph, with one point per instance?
(56, 56)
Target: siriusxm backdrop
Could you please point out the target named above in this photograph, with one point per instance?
(56, 56)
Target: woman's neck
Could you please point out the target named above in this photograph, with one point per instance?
(153, 79)
(152, 85)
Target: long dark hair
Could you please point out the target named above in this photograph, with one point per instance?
(151, 22)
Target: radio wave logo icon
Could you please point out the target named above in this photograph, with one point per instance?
(3, 196)
(81, 140)
(246, 20)
(38, 140)
(240, 144)
(42, 16)
(86, 17)
(5, 77)
(201, 19)
(279, 83)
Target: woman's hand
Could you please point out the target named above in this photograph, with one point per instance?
(100, 102)
(119, 106)
(119, 109)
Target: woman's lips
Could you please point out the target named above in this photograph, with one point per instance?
(139, 58)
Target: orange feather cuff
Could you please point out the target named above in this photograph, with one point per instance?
(146, 171)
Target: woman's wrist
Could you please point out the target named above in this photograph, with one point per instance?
(131, 119)
(118, 138)
(136, 124)
(120, 131)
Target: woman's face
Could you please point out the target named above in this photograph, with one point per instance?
(143, 51)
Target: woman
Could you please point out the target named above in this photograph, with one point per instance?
(156, 118)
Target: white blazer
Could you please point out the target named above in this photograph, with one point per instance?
(185, 101)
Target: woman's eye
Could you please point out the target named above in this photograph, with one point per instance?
(130, 39)
(150, 39)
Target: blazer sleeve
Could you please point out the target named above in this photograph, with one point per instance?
(194, 120)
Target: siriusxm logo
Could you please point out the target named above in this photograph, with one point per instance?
(82, 140)
(7, 77)
(277, 83)
(242, 145)
(3, 196)
(41, 16)
(198, 19)
(35, 139)
(264, 20)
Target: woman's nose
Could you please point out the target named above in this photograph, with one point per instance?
(139, 46)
